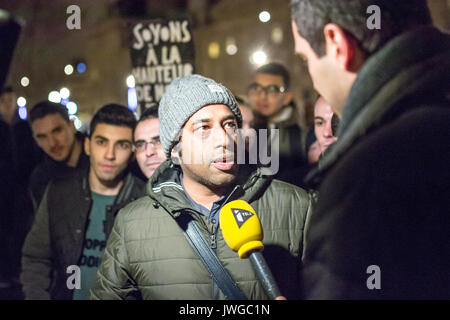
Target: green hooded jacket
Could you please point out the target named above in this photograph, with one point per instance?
(148, 256)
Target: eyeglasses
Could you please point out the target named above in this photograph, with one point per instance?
(255, 89)
(141, 145)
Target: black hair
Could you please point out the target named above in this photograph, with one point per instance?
(397, 17)
(7, 89)
(113, 114)
(277, 69)
(44, 108)
(149, 113)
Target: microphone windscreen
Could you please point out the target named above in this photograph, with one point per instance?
(241, 227)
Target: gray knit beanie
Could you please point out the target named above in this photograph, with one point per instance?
(184, 97)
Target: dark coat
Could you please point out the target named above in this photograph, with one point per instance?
(57, 237)
(19, 154)
(49, 169)
(384, 193)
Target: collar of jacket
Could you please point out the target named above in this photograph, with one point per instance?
(409, 62)
(165, 187)
(288, 116)
(124, 192)
(57, 166)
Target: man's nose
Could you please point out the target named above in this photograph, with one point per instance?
(150, 150)
(221, 137)
(110, 152)
(327, 130)
(52, 141)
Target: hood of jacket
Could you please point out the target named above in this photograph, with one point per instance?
(165, 187)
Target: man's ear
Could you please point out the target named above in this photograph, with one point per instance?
(339, 46)
(72, 126)
(287, 97)
(87, 143)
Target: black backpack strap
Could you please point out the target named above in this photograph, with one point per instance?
(212, 263)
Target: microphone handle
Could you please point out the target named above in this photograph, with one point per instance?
(264, 274)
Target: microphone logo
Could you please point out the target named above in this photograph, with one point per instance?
(241, 216)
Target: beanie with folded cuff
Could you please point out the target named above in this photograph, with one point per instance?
(184, 97)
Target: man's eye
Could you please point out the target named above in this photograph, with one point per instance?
(202, 128)
(318, 123)
(139, 144)
(231, 125)
(100, 142)
(124, 145)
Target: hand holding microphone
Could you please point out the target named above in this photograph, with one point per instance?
(243, 233)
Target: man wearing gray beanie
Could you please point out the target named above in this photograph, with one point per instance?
(148, 255)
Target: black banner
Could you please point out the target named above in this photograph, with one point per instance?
(161, 50)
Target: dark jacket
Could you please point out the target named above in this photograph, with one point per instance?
(293, 163)
(148, 256)
(384, 193)
(49, 169)
(19, 154)
(57, 237)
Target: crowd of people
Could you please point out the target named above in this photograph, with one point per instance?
(367, 185)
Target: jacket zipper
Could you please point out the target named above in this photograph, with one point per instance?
(213, 245)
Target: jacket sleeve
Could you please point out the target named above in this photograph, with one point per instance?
(37, 257)
(113, 280)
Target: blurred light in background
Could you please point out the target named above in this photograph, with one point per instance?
(76, 121)
(214, 50)
(68, 69)
(264, 16)
(21, 101)
(231, 47)
(131, 83)
(277, 35)
(64, 93)
(23, 113)
(258, 57)
(81, 67)
(24, 81)
(54, 96)
(64, 102)
(132, 99)
(72, 107)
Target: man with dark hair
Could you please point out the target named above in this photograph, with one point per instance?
(149, 152)
(56, 135)
(148, 256)
(323, 115)
(18, 157)
(76, 214)
(270, 97)
(381, 225)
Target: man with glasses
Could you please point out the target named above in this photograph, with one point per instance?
(271, 99)
(76, 214)
(149, 152)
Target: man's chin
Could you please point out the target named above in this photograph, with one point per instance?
(59, 158)
(224, 177)
(108, 178)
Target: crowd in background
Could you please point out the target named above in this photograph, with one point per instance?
(367, 184)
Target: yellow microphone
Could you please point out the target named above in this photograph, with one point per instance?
(242, 231)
